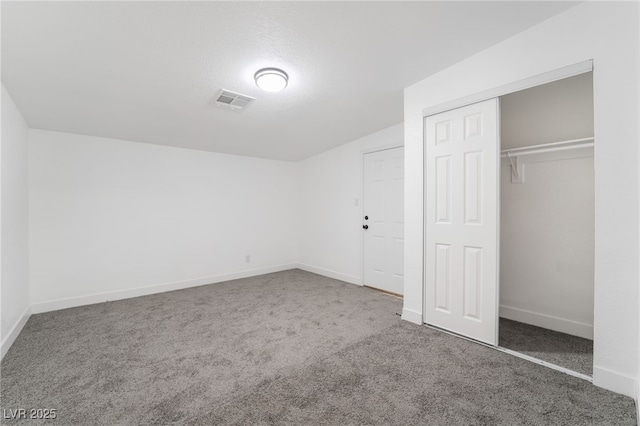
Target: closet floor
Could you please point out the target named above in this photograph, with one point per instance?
(574, 353)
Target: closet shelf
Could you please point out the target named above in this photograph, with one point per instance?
(548, 147)
(544, 152)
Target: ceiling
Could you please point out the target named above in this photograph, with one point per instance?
(148, 71)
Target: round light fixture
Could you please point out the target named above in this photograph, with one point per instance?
(271, 79)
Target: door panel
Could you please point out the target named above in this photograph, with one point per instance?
(384, 207)
(461, 220)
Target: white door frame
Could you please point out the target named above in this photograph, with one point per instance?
(536, 80)
(363, 152)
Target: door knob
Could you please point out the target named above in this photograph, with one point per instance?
(365, 226)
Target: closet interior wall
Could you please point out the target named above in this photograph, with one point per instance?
(547, 221)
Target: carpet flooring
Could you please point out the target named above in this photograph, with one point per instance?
(574, 353)
(284, 348)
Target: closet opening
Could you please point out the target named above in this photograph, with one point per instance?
(546, 280)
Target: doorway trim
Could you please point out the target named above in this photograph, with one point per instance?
(536, 80)
(516, 86)
(533, 81)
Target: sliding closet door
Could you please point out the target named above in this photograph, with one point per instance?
(462, 153)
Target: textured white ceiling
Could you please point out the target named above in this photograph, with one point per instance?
(147, 71)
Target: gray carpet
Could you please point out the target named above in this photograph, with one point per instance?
(284, 348)
(574, 353)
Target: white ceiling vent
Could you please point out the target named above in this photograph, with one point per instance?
(232, 100)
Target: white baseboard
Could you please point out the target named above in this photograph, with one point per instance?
(331, 274)
(614, 381)
(54, 305)
(411, 316)
(14, 332)
(562, 325)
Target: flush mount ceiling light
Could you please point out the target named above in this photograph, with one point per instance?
(271, 79)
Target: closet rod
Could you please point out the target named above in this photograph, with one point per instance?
(548, 147)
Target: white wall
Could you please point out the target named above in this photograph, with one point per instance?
(330, 206)
(547, 245)
(553, 112)
(112, 219)
(608, 34)
(14, 285)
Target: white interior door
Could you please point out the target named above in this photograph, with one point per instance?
(383, 221)
(462, 153)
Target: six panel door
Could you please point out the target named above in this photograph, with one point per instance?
(461, 220)
(384, 222)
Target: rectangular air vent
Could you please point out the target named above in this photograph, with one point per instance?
(232, 100)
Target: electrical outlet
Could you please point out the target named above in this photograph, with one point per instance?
(247, 258)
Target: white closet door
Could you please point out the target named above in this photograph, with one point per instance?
(383, 220)
(461, 220)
